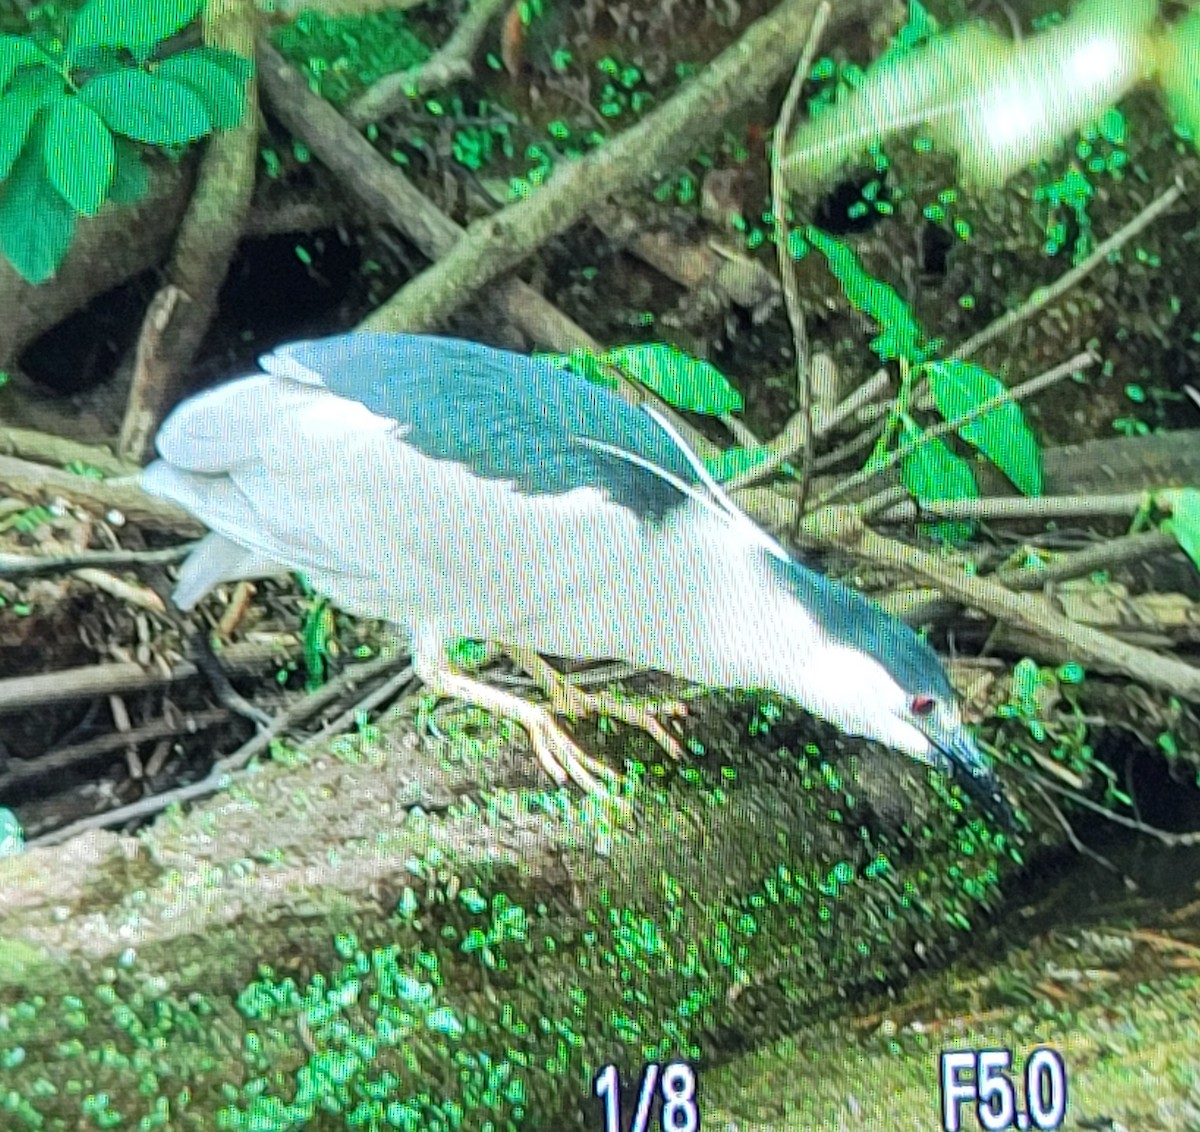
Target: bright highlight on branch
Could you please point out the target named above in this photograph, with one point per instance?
(999, 105)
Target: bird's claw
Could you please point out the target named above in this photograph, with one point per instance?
(561, 758)
(572, 702)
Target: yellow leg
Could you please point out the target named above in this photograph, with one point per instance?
(555, 751)
(574, 703)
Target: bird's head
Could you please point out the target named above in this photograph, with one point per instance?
(870, 675)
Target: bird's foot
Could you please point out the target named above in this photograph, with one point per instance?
(575, 703)
(567, 699)
(561, 757)
(556, 752)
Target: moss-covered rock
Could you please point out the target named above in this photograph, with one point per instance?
(370, 940)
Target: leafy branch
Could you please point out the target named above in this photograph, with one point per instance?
(73, 116)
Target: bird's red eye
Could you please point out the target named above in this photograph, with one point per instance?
(922, 705)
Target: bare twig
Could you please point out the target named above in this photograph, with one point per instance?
(783, 447)
(451, 62)
(27, 565)
(1066, 640)
(20, 692)
(205, 244)
(741, 74)
(1101, 556)
(386, 691)
(787, 268)
(1023, 507)
(230, 768)
(307, 707)
(54, 762)
(1174, 840)
(1044, 296)
(1016, 393)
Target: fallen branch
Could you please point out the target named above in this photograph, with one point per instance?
(738, 77)
(391, 197)
(1023, 507)
(20, 692)
(46, 448)
(40, 483)
(55, 762)
(1066, 640)
(803, 420)
(1101, 556)
(33, 566)
(205, 245)
(453, 61)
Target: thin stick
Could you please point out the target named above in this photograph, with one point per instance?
(1022, 507)
(792, 438)
(1016, 393)
(1100, 556)
(787, 269)
(30, 565)
(450, 63)
(227, 770)
(55, 762)
(1067, 640)
(1044, 296)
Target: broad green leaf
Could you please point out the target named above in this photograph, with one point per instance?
(132, 179)
(79, 153)
(931, 471)
(1184, 522)
(16, 51)
(220, 91)
(147, 108)
(682, 381)
(36, 224)
(734, 461)
(900, 335)
(16, 118)
(136, 24)
(1001, 434)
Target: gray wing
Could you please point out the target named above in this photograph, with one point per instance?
(502, 415)
(375, 464)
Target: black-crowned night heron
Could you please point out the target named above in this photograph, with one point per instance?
(464, 492)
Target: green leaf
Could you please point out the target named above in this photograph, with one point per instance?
(132, 179)
(80, 156)
(147, 108)
(931, 471)
(682, 381)
(136, 24)
(900, 334)
(1184, 522)
(36, 224)
(734, 461)
(16, 51)
(222, 93)
(1001, 434)
(584, 363)
(17, 112)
